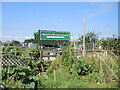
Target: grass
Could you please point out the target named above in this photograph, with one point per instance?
(102, 77)
(65, 80)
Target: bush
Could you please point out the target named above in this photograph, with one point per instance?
(81, 68)
(35, 54)
(26, 75)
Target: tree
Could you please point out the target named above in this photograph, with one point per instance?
(27, 41)
(12, 43)
(90, 39)
(36, 37)
(30, 41)
(15, 43)
(35, 40)
(109, 43)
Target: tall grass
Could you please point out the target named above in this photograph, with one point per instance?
(105, 67)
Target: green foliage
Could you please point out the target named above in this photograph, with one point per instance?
(12, 50)
(110, 44)
(35, 54)
(27, 75)
(68, 57)
(53, 66)
(15, 43)
(81, 68)
(30, 41)
(36, 36)
(70, 63)
(85, 72)
(81, 76)
(7, 50)
(90, 38)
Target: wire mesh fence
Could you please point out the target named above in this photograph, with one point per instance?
(18, 55)
(14, 55)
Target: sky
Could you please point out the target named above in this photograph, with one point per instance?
(21, 19)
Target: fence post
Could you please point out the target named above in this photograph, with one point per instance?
(54, 71)
(93, 46)
(41, 52)
(15, 50)
(1, 64)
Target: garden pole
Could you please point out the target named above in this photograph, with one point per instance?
(54, 75)
(84, 36)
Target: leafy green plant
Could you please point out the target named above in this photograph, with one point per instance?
(27, 75)
(81, 68)
(67, 57)
(35, 54)
(69, 72)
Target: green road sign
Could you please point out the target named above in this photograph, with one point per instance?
(53, 35)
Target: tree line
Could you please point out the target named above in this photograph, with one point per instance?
(91, 39)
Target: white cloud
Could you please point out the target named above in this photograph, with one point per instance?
(17, 37)
(94, 14)
(105, 8)
(10, 37)
(105, 30)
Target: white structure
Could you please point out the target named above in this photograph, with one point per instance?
(100, 47)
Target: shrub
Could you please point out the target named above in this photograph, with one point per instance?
(81, 68)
